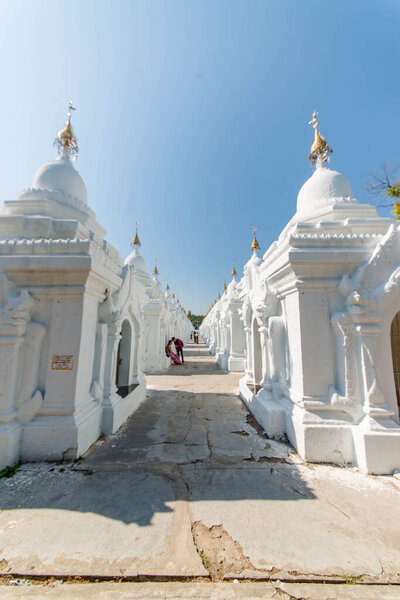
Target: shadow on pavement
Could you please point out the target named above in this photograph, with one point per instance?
(177, 446)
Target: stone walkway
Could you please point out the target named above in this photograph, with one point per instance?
(190, 487)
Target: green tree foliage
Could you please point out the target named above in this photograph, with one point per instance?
(393, 191)
(195, 319)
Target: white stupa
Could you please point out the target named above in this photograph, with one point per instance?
(327, 193)
(58, 190)
(232, 286)
(135, 259)
(60, 175)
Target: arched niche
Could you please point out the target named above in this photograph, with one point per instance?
(395, 344)
(135, 353)
(257, 358)
(124, 358)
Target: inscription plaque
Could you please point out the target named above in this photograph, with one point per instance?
(62, 362)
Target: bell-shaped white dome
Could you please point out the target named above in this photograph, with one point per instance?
(60, 175)
(232, 287)
(323, 189)
(136, 260)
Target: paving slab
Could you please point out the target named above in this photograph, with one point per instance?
(199, 591)
(190, 485)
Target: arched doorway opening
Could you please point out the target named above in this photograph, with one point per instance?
(395, 343)
(124, 359)
(257, 359)
(134, 375)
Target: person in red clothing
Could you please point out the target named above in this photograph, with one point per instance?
(179, 348)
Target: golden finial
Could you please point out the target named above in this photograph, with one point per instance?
(219, 296)
(167, 287)
(155, 272)
(136, 241)
(320, 150)
(66, 141)
(233, 270)
(173, 295)
(254, 244)
(225, 288)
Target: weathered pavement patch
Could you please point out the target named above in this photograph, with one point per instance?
(200, 591)
(189, 487)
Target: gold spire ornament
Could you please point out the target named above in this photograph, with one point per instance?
(66, 141)
(225, 288)
(167, 287)
(136, 241)
(155, 272)
(254, 244)
(320, 150)
(219, 296)
(234, 274)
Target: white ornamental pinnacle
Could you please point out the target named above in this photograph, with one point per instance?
(66, 141)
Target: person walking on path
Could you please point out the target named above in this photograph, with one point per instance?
(179, 348)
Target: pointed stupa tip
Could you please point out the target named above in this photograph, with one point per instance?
(225, 288)
(219, 296)
(320, 150)
(136, 241)
(155, 272)
(167, 287)
(254, 244)
(234, 274)
(66, 142)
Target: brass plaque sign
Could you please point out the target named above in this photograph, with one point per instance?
(62, 362)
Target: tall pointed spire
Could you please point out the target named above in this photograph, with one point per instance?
(66, 141)
(234, 274)
(254, 244)
(320, 150)
(155, 271)
(136, 241)
(225, 288)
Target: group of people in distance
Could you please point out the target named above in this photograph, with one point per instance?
(195, 337)
(174, 356)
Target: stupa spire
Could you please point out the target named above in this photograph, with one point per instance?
(234, 274)
(136, 241)
(66, 141)
(320, 150)
(155, 271)
(254, 244)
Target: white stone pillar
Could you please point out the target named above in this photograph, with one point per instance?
(11, 338)
(249, 375)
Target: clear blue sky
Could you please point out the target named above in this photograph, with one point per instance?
(192, 114)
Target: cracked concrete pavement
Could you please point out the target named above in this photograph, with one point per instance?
(190, 486)
(201, 591)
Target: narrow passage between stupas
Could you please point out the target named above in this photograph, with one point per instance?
(190, 486)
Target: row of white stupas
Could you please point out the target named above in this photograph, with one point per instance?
(78, 326)
(315, 326)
